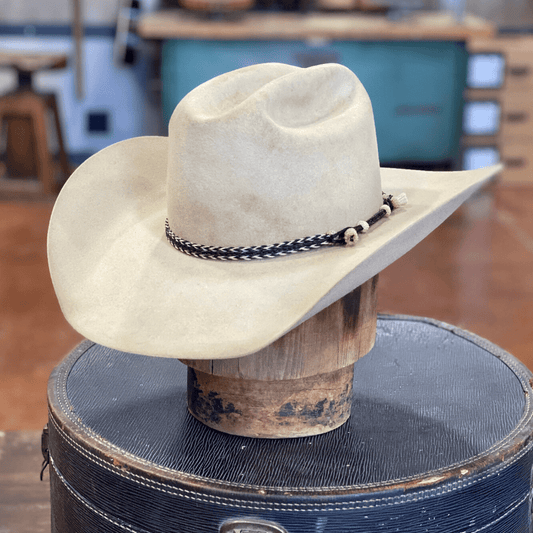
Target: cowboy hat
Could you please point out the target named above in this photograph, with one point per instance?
(259, 156)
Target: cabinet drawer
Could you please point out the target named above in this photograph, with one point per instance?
(518, 58)
(518, 161)
(519, 69)
(416, 88)
(516, 118)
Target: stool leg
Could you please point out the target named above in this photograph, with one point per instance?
(37, 110)
(20, 147)
(3, 126)
(63, 159)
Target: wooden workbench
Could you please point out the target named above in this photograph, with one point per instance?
(179, 24)
(423, 52)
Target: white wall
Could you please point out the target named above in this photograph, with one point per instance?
(119, 90)
(95, 12)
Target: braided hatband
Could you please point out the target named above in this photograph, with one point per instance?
(345, 237)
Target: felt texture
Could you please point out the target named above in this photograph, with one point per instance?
(257, 156)
(254, 153)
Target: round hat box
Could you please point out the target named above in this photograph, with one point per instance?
(439, 441)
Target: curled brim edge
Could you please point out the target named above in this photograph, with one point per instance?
(121, 284)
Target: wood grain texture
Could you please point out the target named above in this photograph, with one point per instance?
(20, 147)
(332, 339)
(178, 24)
(77, 31)
(24, 499)
(28, 62)
(217, 6)
(271, 409)
(299, 385)
(26, 103)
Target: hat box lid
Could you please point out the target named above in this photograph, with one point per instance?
(439, 440)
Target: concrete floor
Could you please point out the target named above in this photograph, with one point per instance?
(475, 271)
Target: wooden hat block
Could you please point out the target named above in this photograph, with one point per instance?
(299, 385)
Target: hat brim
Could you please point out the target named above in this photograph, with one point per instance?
(121, 284)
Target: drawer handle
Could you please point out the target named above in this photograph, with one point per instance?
(406, 110)
(515, 162)
(519, 116)
(518, 71)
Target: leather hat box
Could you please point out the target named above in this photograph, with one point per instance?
(439, 440)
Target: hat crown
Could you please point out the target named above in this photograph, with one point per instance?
(271, 153)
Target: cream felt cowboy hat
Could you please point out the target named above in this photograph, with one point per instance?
(259, 156)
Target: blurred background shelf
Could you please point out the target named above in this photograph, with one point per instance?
(413, 67)
(499, 109)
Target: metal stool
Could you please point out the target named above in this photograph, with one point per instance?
(25, 113)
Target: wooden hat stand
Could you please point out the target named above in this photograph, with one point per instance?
(299, 385)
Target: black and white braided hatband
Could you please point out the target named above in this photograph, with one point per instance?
(345, 237)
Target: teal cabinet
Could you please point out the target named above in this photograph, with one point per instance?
(416, 87)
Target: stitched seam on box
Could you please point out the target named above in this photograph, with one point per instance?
(99, 439)
(291, 506)
(106, 517)
(505, 515)
(68, 410)
(63, 400)
(85, 503)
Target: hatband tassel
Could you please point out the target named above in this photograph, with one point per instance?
(398, 201)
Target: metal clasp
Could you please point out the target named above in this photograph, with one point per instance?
(251, 525)
(45, 451)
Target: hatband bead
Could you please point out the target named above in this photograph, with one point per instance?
(365, 226)
(387, 209)
(350, 237)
